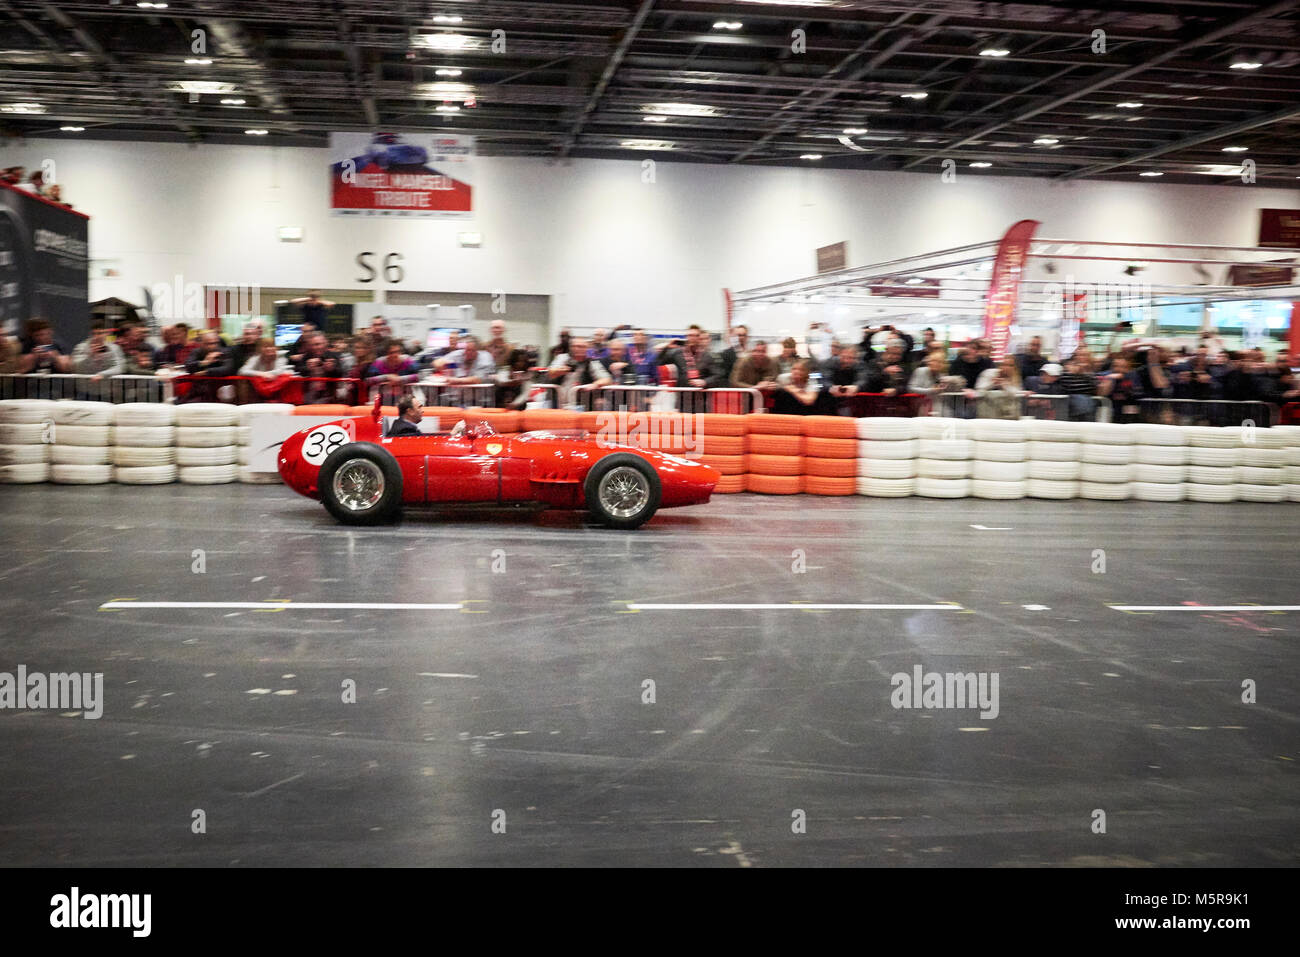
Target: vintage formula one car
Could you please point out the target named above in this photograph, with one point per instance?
(364, 477)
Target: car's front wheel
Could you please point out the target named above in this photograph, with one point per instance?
(622, 491)
(361, 484)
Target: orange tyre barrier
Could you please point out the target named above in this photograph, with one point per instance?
(730, 483)
(820, 485)
(337, 411)
(830, 448)
(830, 426)
(765, 423)
(830, 468)
(723, 444)
(774, 464)
(538, 419)
(775, 444)
(713, 423)
(726, 464)
(774, 484)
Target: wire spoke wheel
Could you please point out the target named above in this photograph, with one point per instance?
(358, 485)
(624, 492)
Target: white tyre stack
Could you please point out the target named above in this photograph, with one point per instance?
(24, 453)
(83, 438)
(145, 453)
(1289, 438)
(1262, 466)
(1001, 447)
(247, 415)
(1106, 456)
(1052, 469)
(887, 457)
(1159, 463)
(944, 452)
(206, 436)
(1212, 457)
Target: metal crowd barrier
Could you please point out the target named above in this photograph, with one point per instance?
(1074, 408)
(1205, 412)
(478, 395)
(243, 390)
(642, 398)
(904, 405)
(60, 385)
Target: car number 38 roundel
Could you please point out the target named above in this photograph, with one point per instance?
(323, 440)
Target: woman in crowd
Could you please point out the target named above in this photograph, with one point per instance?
(176, 346)
(999, 390)
(359, 357)
(799, 397)
(788, 359)
(1122, 387)
(933, 377)
(391, 372)
(265, 362)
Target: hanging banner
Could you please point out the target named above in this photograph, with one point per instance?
(1074, 313)
(402, 174)
(44, 265)
(1004, 285)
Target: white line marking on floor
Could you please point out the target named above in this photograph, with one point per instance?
(1205, 607)
(994, 528)
(120, 605)
(639, 606)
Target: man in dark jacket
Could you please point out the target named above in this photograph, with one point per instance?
(727, 359)
(969, 364)
(409, 413)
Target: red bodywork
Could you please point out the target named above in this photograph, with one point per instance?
(543, 467)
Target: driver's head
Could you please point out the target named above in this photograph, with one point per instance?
(410, 408)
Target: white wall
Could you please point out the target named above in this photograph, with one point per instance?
(606, 246)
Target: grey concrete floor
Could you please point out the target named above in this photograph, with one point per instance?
(525, 706)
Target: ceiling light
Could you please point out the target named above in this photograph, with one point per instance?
(810, 156)
(255, 132)
(855, 131)
(914, 96)
(680, 109)
(447, 71)
(447, 108)
(981, 165)
(445, 18)
(198, 61)
(1245, 63)
(1129, 105)
(447, 41)
(655, 119)
(727, 25)
(995, 51)
(915, 281)
(1046, 141)
(447, 90)
(73, 129)
(1151, 172)
(22, 108)
(233, 102)
(1235, 149)
(201, 86)
(145, 4)
(646, 144)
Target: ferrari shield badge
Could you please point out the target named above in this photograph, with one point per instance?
(494, 448)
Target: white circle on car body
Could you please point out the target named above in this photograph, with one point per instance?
(323, 440)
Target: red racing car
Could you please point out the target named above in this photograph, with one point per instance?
(364, 477)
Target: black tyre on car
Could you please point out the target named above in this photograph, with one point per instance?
(622, 491)
(361, 484)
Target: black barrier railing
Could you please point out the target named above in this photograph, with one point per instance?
(1219, 412)
(1072, 408)
(870, 404)
(123, 388)
(654, 398)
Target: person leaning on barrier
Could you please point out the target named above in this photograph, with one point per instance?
(799, 397)
(843, 371)
(870, 332)
(933, 377)
(576, 368)
(922, 350)
(316, 361)
(887, 374)
(999, 391)
(409, 413)
(729, 358)
(969, 363)
(699, 361)
(210, 357)
(469, 365)
(246, 345)
(41, 354)
(1031, 360)
(97, 357)
(757, 370)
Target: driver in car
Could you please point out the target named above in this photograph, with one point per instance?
(410, 411)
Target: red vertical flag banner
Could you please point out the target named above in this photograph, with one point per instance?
(1004, 285)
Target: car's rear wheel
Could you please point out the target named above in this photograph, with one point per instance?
(623, 491)
(361, 484)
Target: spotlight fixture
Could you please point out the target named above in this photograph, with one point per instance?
(655, 118)
(198, 61)
(1151, 172)
(73, 129)
(447, 18)
(921, 95)
(447, 71)
(1046, 141)
(256, 132)
(855, 131)
(810, 156)
(1129, 105)
(1235, 149)
(233, 102)
(995, 51)
(727, 25)
(1245, 63)
(447, 108)
(981, 165)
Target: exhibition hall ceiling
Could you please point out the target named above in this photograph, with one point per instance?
(1189, 91)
